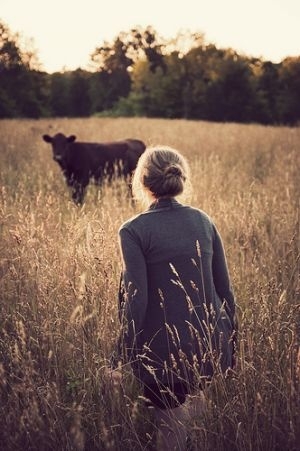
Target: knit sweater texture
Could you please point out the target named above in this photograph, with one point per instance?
(176, 305)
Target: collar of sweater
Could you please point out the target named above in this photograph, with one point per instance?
(164, 203)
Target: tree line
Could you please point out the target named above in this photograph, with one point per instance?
(141, 74)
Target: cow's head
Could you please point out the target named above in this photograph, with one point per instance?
(59, 144)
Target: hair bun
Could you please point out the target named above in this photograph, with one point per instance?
(173, 171)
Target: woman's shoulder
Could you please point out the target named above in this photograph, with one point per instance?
(143, 220)
(197, 212)
(132, 222)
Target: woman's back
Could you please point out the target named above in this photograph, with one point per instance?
(177, 292)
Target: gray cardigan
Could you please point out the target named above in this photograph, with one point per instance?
(176, 301)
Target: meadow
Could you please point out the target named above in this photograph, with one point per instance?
(59, 276)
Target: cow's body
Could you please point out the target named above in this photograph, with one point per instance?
(83, 161)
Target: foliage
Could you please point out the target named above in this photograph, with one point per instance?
(79, 100)
(289, 95)
(20, 88)
(140, 73)
(59, 95)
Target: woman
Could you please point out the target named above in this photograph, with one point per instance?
(176, 302)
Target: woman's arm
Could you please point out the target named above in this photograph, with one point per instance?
(223, 287)
(133, 289)
(221, 275)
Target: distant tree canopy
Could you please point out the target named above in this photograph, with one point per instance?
(22, 87)
(141, 74)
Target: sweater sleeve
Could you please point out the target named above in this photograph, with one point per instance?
(221, 275)
(134, 291)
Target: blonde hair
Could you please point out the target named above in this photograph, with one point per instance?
(161, 172)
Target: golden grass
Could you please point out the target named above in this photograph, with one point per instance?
(59, 269)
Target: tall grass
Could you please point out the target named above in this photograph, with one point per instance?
(60, 266)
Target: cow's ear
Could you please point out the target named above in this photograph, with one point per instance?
(71, 139)
(47, 138)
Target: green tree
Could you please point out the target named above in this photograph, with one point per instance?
(230, 96)
(19, 84)
(160, 92)
(59, 94)
(116, 63)
(99, 95)
(114, 79)
(79, 97)
(165, 89)
(289, 91)
(10, 63)
(200, 68)
(146, 44)
(266, 91)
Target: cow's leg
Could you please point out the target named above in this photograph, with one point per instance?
(78, 192)
(78, 188)
(98, 178)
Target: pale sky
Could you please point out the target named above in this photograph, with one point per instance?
(66, 32)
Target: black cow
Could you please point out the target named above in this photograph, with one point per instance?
(82, 161)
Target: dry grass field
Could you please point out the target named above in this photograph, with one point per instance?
(59, 275)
